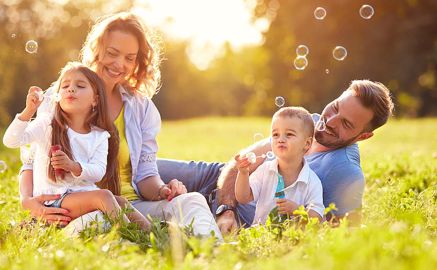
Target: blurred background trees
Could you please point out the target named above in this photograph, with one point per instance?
(397, 46)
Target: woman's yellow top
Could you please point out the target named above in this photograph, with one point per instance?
(125, 167)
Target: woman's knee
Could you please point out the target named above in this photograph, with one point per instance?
(191, 198)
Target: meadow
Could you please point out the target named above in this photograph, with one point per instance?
(398, 230)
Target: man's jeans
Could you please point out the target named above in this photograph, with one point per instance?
(201, 177)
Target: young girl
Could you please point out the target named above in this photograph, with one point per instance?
(72, 146)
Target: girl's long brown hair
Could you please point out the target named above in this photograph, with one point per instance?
(97, 117)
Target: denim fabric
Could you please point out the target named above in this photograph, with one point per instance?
(202, 177)
(57, 203)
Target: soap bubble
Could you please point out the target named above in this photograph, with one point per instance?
(56, 97)
(366, 12)
(251, 157)
(279, 101)
(339, 53)
(257, 137)
(40, 95)
(321, 124)
(300, 63)
(270, 155)
(31, 46)
(320, 13)
(3, 166)
(302, 50)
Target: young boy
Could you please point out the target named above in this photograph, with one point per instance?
(287, 181)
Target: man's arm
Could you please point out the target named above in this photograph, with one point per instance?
(226, 184)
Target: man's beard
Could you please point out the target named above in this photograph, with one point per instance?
(332, 142)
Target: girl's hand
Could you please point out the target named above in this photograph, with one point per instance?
(33, 99)
(243, 163)
(32, 103)
(60, 160)
(286, 206)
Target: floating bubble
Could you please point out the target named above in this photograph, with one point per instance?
(321, 124)
(320, 13)
(339, 53)
(279, 101)
(3, 166)
(56, 97)
(270, 155)
(40, 95)
(13, 36)
(31, 46)
(251, 157)
(257, 137)
(366, 12)
(302, 50)
(327, 71)
(300, 63)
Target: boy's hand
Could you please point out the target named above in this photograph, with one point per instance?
(286, 206)
(60, 160)
(243, 163)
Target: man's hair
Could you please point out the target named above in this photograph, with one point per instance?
(300, 113)
(376, 97)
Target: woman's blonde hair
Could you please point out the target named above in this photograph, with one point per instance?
(98, 117)
(146, 76)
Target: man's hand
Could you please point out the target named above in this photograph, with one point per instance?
(173, 189)
(286, 206)
(48, 214)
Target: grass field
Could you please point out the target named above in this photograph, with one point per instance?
(399, 228)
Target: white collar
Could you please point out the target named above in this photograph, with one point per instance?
(304, 174)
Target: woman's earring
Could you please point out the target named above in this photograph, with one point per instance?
(94, 108)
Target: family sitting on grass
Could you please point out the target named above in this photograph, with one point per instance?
(96, 148)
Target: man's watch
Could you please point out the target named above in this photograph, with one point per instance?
(222, 208)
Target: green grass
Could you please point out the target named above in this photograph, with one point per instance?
(399, 227)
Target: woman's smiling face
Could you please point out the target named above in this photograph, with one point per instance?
(119, 57)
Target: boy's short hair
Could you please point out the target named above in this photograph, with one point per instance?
(300, 113)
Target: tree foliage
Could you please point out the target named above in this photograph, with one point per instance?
(397, 46)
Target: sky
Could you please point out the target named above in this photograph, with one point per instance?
(206, 24)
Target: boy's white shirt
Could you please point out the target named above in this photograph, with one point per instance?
(306, 190)
(90, 150)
